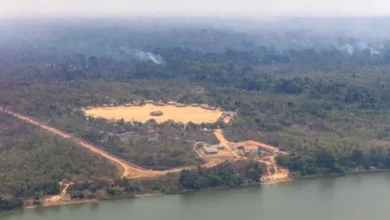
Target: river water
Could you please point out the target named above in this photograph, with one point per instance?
(353, 197)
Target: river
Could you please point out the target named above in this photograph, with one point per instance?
(353, 197)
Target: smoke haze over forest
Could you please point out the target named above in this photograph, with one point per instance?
(141, 38)
(20, 8)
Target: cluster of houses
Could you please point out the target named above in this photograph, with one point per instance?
(246, 146)
(255, 147)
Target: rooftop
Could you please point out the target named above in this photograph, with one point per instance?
(210, 149)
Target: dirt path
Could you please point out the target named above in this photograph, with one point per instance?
(128, 169)
(279, 175)
(219, 134)
(64, 191)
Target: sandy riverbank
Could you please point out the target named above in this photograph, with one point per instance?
(61, 203)
(73, 202)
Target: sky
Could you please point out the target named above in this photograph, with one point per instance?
(25, 8)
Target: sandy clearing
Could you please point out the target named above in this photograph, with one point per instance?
(142, 113)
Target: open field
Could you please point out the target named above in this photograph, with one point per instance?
(142, 113)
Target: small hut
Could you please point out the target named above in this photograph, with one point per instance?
(128, 105)
(195, 105)
(180, 105)
(136, 103)
(204, 106)
(159, 103)
(149, 101)
(212, 108)
(105, 105)
(156, 113)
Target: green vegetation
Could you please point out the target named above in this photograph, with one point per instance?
(329, 109)
(7, 204)
(32, 163)
(321, 160)
(228, 174)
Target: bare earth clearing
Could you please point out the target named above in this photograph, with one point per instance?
(142, 113)
(279, 174)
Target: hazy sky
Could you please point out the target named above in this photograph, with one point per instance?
(195, 7)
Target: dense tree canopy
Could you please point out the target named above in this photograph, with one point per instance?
(309, 94)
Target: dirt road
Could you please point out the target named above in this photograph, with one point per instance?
(64, 191)
(219, 134)
(127, 169)
(279, 174)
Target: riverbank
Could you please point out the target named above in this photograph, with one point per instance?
(266, 182)
(352, 172)
(357, 197)
(63, 203)
(81, 201)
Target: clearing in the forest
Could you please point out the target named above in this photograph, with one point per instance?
(142, 113)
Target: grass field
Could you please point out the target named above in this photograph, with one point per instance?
(142, 113)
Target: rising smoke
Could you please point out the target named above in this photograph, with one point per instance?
(142, 55)
(147, 56)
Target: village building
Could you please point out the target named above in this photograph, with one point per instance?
(256, 147)
(105, 105)
(149, 101)
(156, 113)
(128, 105)
(204, 106)
(210, 150)
(111, 105)
(180, 105)
(212, 108)
(171, 103)
(159, 103)
(195, 105)
(136, 103)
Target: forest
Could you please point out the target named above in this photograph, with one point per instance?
(323, 98)
(228, 174)
(33, 162)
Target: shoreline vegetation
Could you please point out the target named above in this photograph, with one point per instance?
(223, 176)
(270, 182)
